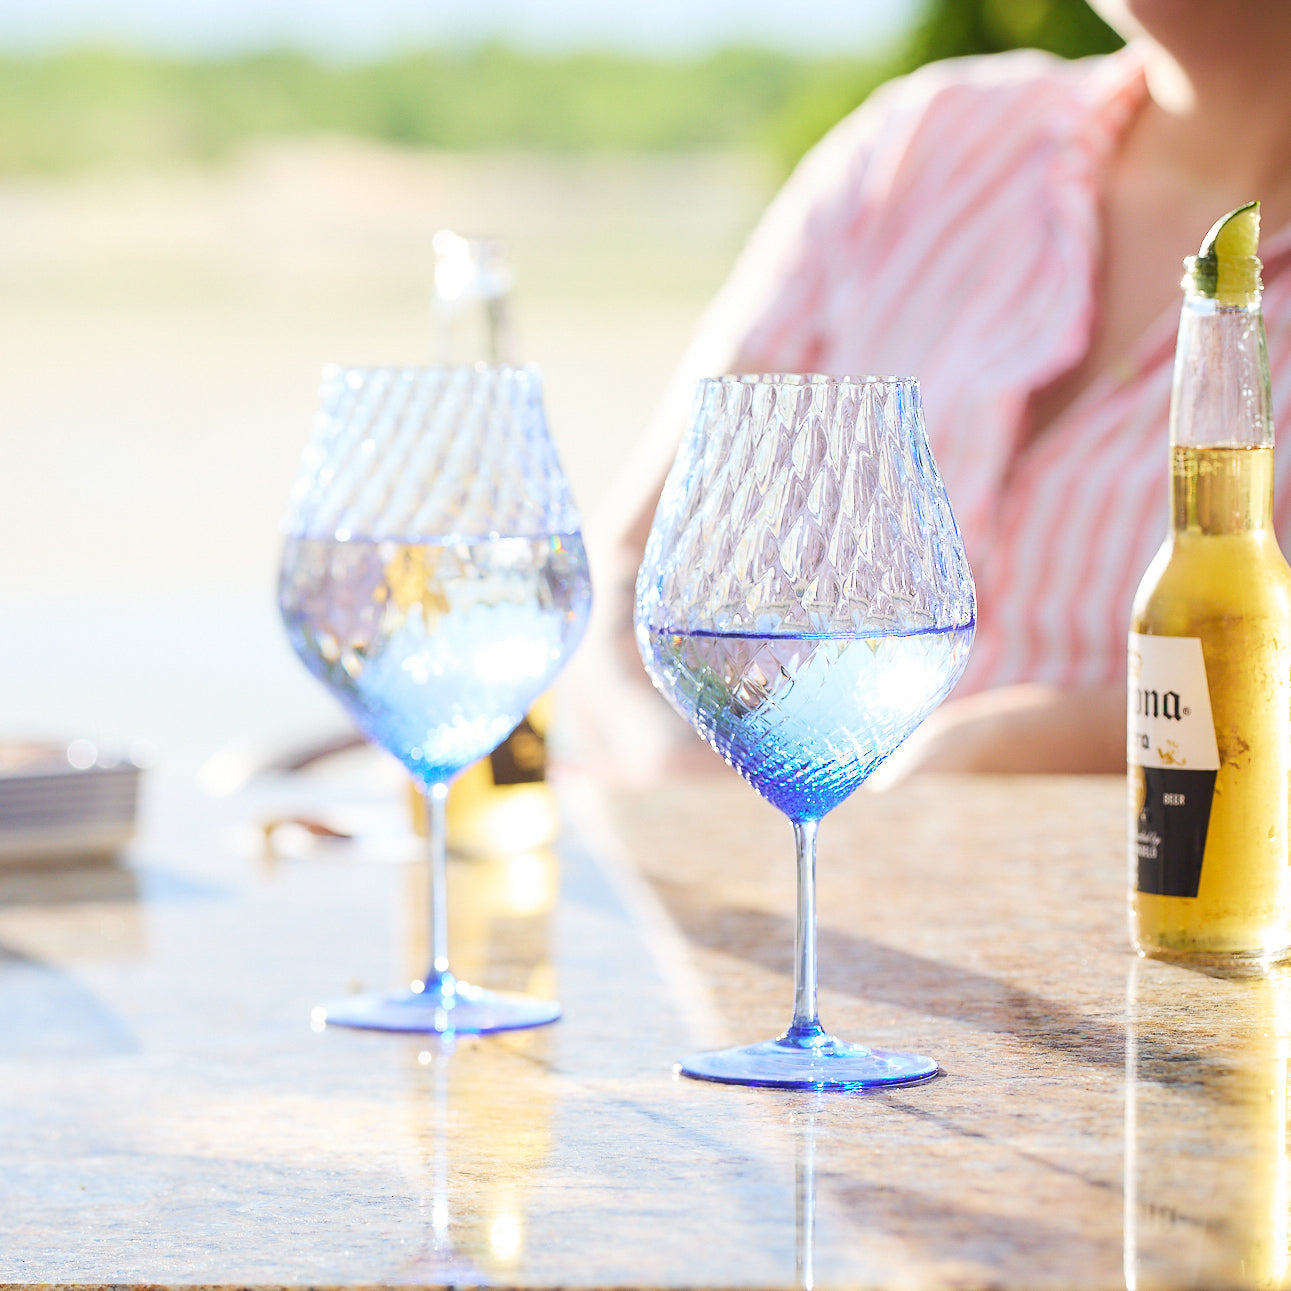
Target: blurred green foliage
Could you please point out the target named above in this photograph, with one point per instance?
(950, 28)
(95, 108)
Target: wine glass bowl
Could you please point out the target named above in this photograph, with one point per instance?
(804, 602)
(433, 578)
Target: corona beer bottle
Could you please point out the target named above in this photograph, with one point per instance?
(1209, 720)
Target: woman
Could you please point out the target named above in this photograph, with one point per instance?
(1011, 230)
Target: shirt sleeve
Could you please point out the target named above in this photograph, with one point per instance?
(767, 317)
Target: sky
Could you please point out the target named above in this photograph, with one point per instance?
(355, 29)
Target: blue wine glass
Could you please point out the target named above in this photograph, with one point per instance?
(433, 578)
(804, 602)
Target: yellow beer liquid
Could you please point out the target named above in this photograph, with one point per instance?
(1221, 577)
(487, 818)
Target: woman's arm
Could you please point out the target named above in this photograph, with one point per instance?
(1018, 729)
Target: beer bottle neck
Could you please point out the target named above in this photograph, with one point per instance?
(471, 307)
(1221, 419)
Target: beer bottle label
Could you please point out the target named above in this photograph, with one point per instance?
(521, 758)
(1172, 742)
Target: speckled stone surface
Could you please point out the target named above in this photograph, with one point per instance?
(168, 1117)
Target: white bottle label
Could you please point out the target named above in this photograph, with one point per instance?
(1175, 757)
(1170, 725)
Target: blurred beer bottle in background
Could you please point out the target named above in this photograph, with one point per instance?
(502, 803)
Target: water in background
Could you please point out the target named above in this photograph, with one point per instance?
(162, 338)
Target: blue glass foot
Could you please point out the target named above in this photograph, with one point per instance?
(443, 1007)
(825, 1063)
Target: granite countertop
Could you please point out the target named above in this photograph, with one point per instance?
(169, 1116)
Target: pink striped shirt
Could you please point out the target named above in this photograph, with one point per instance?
(948, 229)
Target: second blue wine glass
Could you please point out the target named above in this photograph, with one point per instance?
(804, 602)
(433, 577)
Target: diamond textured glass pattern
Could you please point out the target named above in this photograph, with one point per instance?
(440, 454)
(810, 504)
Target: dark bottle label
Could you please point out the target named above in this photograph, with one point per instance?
(1171, 839)
(521, 758)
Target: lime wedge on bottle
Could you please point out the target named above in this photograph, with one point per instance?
(1226, 268)
(1234, 235)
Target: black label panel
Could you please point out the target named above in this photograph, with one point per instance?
(1172, 829)
(521, 758)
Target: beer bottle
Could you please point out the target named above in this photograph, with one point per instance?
(1209, 720)
(503, 802)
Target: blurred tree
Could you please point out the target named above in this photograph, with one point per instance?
(91, 108)
(950, 28)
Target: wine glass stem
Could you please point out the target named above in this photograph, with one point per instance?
(806, 1020)
(436, 796)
